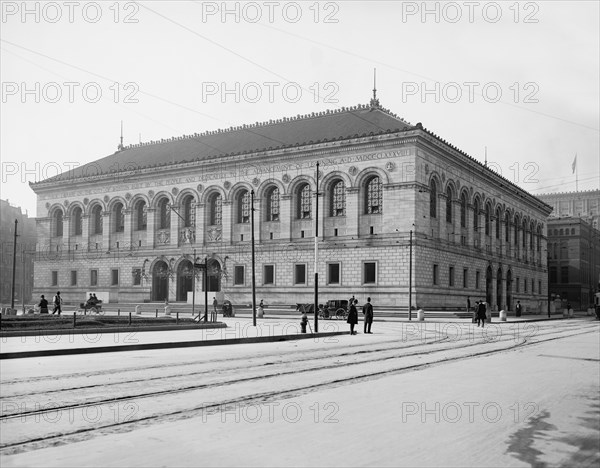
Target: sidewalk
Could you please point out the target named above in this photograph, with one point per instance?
(238, 330)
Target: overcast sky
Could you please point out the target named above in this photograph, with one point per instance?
(71, 71)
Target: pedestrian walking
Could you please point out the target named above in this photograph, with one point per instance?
(352, 317)
(481, 314)
(57, 303)
(215, 304)
(474, 312)
(368, 313)
(518, 308)
(468, 304)
(43, 305)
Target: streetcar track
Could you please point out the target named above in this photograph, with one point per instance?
(351, 350)
(208, 371)
(233, 381)
(187, 413)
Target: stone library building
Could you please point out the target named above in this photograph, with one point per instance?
(128, 225)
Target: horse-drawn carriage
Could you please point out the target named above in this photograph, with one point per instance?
(335, 308)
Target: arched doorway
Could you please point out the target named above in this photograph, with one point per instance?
(214, 276)
(508, 290)
(488, 285)
(160, 281)
(185, 280)
(499, 289)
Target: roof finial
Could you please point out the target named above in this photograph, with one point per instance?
(374, 101)
(120, 147)
(485, 162)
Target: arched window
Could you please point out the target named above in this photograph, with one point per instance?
(432, 199)
(476, 215)
(531, 234)
(337, 196)
(119, 218)
(243, 200)
(77, 221)
(488, 220)
(539, 239)
(58, 223)
(374, 196)
(188, 215)
(524, 234)
(516, 232)
(273, 204)
(498, 219)
(141, 216)
(463, 210)
(164, 217)
(216, 210)
(97, 220)
(304, 202)
(448, 205)
(506, 227)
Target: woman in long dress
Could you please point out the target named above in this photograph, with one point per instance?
(352, 317)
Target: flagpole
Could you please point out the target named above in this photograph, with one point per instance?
(576, 175)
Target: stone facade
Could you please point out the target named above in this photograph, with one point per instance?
(584, 205)
(379, 178)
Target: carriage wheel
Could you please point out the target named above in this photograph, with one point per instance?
(340, 313)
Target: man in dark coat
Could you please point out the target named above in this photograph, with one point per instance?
(43, 305)
(481, 314)
(352, 317)
(368, 313)
(519, 308)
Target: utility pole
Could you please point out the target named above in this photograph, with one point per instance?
(12, 296)
(317, 253)
(206, 288)
(194, 283)
(253, 264)
(410, 276)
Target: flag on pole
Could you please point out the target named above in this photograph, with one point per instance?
(574, 165)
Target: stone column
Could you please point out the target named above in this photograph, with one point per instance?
(127, 214)
(227, 217)
(174, 229)
(285, 217)
(150, 227)
(492, 237)
(85, 230)
(106, 231)
(469, 224)
(456, 220)
(493, 304)
(503, 292)
(199, 221)
(441, 216)
(352, 211)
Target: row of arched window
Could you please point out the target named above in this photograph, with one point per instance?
(303, 200)
(532, 231)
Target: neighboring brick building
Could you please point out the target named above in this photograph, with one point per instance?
(573, 261)
(26, 246)
(108, 225)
